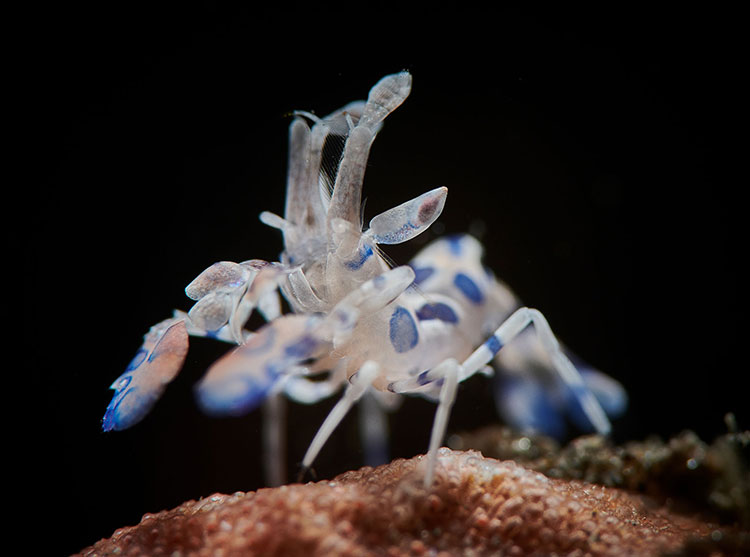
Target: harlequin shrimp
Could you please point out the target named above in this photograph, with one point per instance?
(356, 323)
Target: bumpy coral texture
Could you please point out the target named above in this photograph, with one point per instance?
(477, 506)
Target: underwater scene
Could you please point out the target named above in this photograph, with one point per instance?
(467, 298)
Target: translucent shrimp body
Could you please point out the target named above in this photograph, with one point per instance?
(417, 329)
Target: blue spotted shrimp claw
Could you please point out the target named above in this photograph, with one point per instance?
(154, 366)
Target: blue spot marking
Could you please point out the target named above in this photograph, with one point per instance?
(395, 236)
(493, 344)
(273, 370)
(115, 420)
(438, 310)
(356, 263)
(379, 281)
(525, 403)
(454, 244)
(154, 353)
(122, 382)
(236, 396)
(468, 288)
(303, 348)
(403, 330)
(421, 274)
(422, 378)
(137, 360)
(109, 422)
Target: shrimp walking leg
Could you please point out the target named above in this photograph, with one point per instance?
(449, 370)
(505, 333)
(360, 382)
(512, 326)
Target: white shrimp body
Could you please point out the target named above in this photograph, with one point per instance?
(416, 329)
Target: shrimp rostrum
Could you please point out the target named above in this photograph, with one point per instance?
(361, 325)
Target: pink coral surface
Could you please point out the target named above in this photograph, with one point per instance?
(477, 506)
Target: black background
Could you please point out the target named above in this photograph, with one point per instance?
(592, 151)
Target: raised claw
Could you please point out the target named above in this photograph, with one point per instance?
(404, 222)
